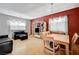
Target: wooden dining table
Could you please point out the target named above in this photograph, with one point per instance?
(61, 39)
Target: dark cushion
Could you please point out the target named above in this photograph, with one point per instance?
(3, 36)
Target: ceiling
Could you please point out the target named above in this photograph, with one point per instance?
(34, 10)
(22, 7)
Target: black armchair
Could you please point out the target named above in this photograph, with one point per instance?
(20, 35)
(6, 45)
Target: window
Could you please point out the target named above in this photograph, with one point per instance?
(17, 25)
(59, 24)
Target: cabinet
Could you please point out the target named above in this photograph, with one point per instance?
(38, 27)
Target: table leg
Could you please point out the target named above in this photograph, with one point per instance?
(67, 49)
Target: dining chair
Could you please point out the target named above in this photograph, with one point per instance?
(44, 34)
(74, 39)
(50, 46)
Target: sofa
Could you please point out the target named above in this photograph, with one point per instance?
(6, 45)
(20, 35)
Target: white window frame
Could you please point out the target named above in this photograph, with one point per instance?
(57, 18)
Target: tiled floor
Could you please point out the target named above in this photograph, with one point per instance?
(32, 46)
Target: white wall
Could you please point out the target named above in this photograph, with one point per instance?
(4, 27)
(28, 27)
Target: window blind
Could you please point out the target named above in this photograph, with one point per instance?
(58, 24)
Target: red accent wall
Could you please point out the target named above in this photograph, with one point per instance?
(73, 20)
(73, 24)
